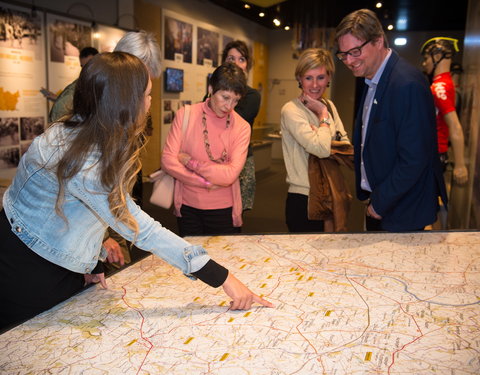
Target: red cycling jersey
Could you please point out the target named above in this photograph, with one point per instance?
(443, 91)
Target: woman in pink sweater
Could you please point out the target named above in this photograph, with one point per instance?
(206, 161)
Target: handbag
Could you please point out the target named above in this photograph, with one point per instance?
(164, 184)
(163, 188)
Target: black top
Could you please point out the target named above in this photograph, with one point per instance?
(248, 108)
(249, 105)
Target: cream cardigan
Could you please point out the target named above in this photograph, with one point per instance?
(299, 140)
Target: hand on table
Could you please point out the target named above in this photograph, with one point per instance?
(243, 298)
(114, 250)
(94, 278)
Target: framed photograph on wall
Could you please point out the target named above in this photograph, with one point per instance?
(178, 40)
(225, 40)
(207, 47)
(66, 38)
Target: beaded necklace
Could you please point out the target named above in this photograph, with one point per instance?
(207, 142)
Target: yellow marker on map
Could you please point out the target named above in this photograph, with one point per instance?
(368, 356)
(243, 266)
(247, 314)
(196, 298)
(231, 320)
(224, 357)
(300, 278)
(310, 278)
(263, 285)
(222, 303)
(311, 294)
(267, 260)
(269, 276)
(187, 341)
(328, 312)
(132, 342)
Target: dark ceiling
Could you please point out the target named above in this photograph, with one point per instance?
(420, 15)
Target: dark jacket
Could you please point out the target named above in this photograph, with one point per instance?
(400, 153)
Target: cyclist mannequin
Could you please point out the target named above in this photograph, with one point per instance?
(437, 58)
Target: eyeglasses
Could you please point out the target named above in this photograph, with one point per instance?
(354, 52)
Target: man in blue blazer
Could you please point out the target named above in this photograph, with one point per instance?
(396, 159)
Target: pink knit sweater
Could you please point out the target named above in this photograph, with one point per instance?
(192, 187)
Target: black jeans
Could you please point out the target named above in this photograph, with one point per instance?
(29, 284)
(196, 222)
(296, 214)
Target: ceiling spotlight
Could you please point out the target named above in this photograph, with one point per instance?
(261, 14)
(276, 21)
(378, 5)
(400, 41)
(247, 6)
(287, 27)
(390, 27)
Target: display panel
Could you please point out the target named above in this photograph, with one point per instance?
(173, 80)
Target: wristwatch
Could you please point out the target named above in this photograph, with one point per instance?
(325, 120)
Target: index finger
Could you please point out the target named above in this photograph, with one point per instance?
(262, 301)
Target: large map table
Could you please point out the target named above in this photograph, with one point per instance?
(345, 304)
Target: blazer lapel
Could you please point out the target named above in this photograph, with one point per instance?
(357, 131)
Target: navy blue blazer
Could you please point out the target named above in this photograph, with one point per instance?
(400, 151)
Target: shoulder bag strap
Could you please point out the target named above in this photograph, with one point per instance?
(186, 116)
(329, 107)
(338, 135)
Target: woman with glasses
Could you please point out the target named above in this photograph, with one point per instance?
(206, 161)
(309, 124)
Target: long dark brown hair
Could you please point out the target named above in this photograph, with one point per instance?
(108, 117)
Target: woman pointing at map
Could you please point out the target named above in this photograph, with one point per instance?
(73, 183)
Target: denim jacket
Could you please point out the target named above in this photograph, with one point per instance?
(76, 244)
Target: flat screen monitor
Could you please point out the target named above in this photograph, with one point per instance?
(173, 80)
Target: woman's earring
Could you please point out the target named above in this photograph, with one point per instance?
(328, 84)
(299, 84)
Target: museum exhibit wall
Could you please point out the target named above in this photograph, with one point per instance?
(215, 23)
(38, 49)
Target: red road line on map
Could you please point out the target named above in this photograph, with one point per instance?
(399, 350)
(411, 317)
(141, 329)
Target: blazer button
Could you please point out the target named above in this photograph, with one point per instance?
(12, 220)
(18, 229)
(87, 270)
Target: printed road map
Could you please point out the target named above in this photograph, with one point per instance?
(345, 304)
